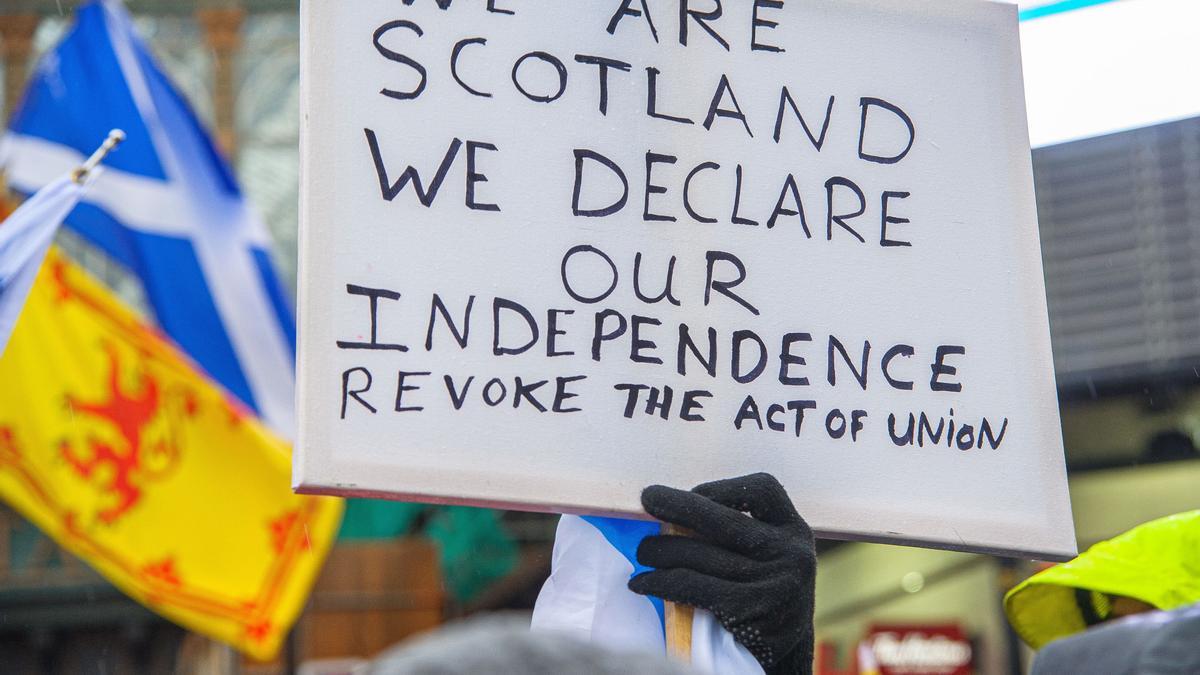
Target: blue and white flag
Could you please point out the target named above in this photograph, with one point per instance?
(25, 236)
(587, 597)
(167, 207)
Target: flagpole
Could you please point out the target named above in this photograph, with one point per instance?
(80, 174)
(678, 619)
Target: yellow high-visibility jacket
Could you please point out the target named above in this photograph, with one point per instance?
(1157, 562)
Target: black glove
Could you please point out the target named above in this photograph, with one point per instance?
(754, 572)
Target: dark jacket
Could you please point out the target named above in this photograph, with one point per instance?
(1158, 643)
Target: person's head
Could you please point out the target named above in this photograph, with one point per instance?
(504, 644)
(1153, 566)
(1097, 607)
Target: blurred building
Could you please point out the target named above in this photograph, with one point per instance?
(1120, 222)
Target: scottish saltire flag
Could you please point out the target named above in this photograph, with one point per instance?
(586, 596)
(167, 207)
(25, 237)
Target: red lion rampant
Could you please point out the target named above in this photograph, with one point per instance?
(129, 413)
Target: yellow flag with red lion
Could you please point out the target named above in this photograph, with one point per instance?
(113, 444)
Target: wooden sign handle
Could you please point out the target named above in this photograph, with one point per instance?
(678, 619)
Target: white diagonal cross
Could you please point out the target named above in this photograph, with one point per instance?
(189, 205)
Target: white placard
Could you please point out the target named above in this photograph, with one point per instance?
(495, 195)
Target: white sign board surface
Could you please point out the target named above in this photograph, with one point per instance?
(553, 252)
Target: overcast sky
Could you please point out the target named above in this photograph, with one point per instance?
(1109, 66)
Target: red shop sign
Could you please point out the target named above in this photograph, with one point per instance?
(917, 650)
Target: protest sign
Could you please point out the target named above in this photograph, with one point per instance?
(553, 252)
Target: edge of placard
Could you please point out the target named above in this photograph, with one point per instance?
(1048, 554)
(303, 446)
(1012, 12)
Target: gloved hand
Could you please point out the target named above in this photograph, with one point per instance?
(752, 562)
